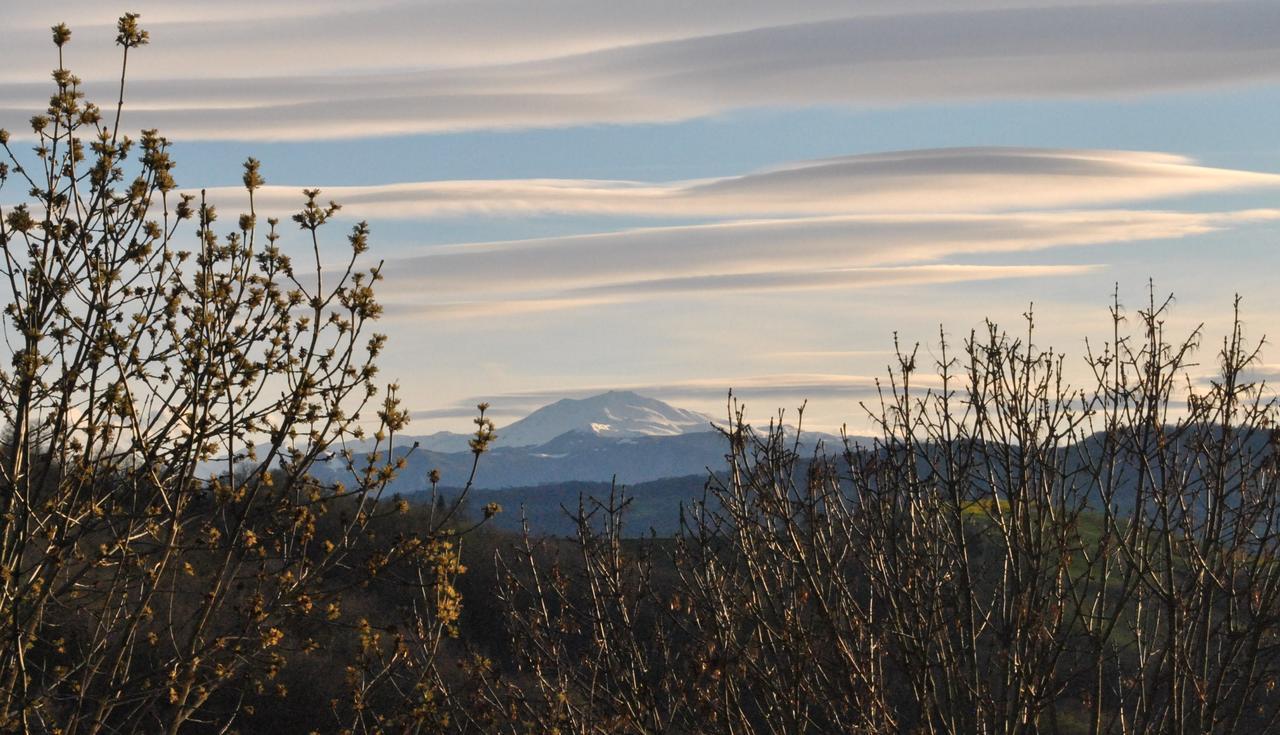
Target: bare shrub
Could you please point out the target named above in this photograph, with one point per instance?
(1010, 555)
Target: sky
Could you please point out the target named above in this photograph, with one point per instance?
(680, 198)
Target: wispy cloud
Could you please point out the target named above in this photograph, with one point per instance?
(801, 253)
(946, 180)
(850, 278)
(893, 219)
(793, 354)
(431, 67)
(842, 278)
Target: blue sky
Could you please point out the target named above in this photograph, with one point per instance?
(686, 197)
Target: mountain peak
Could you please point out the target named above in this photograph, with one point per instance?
(615, 413)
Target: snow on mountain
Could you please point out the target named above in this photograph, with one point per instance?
(443, 441)
(616, 414)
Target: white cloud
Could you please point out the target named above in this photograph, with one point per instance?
(850, 222)
(943, 180)
(801, 253)
(254, 38)
(497, 304)
(842, 278)
(810, 354)
(427, 67)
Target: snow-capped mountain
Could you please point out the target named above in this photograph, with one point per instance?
(615, 415)
(612, 415)
(618, 434)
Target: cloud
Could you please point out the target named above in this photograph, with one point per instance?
(788, 354)
(801, 253)
(496, 306)
(944, 180)
(845, 279)
(849, 222)
(1259, 372)
(324, 36)
(335, 35)
(433, 67)
(841, 278)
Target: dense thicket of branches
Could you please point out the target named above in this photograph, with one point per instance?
(1011, 555)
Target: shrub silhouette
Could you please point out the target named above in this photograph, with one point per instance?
(164, 551)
